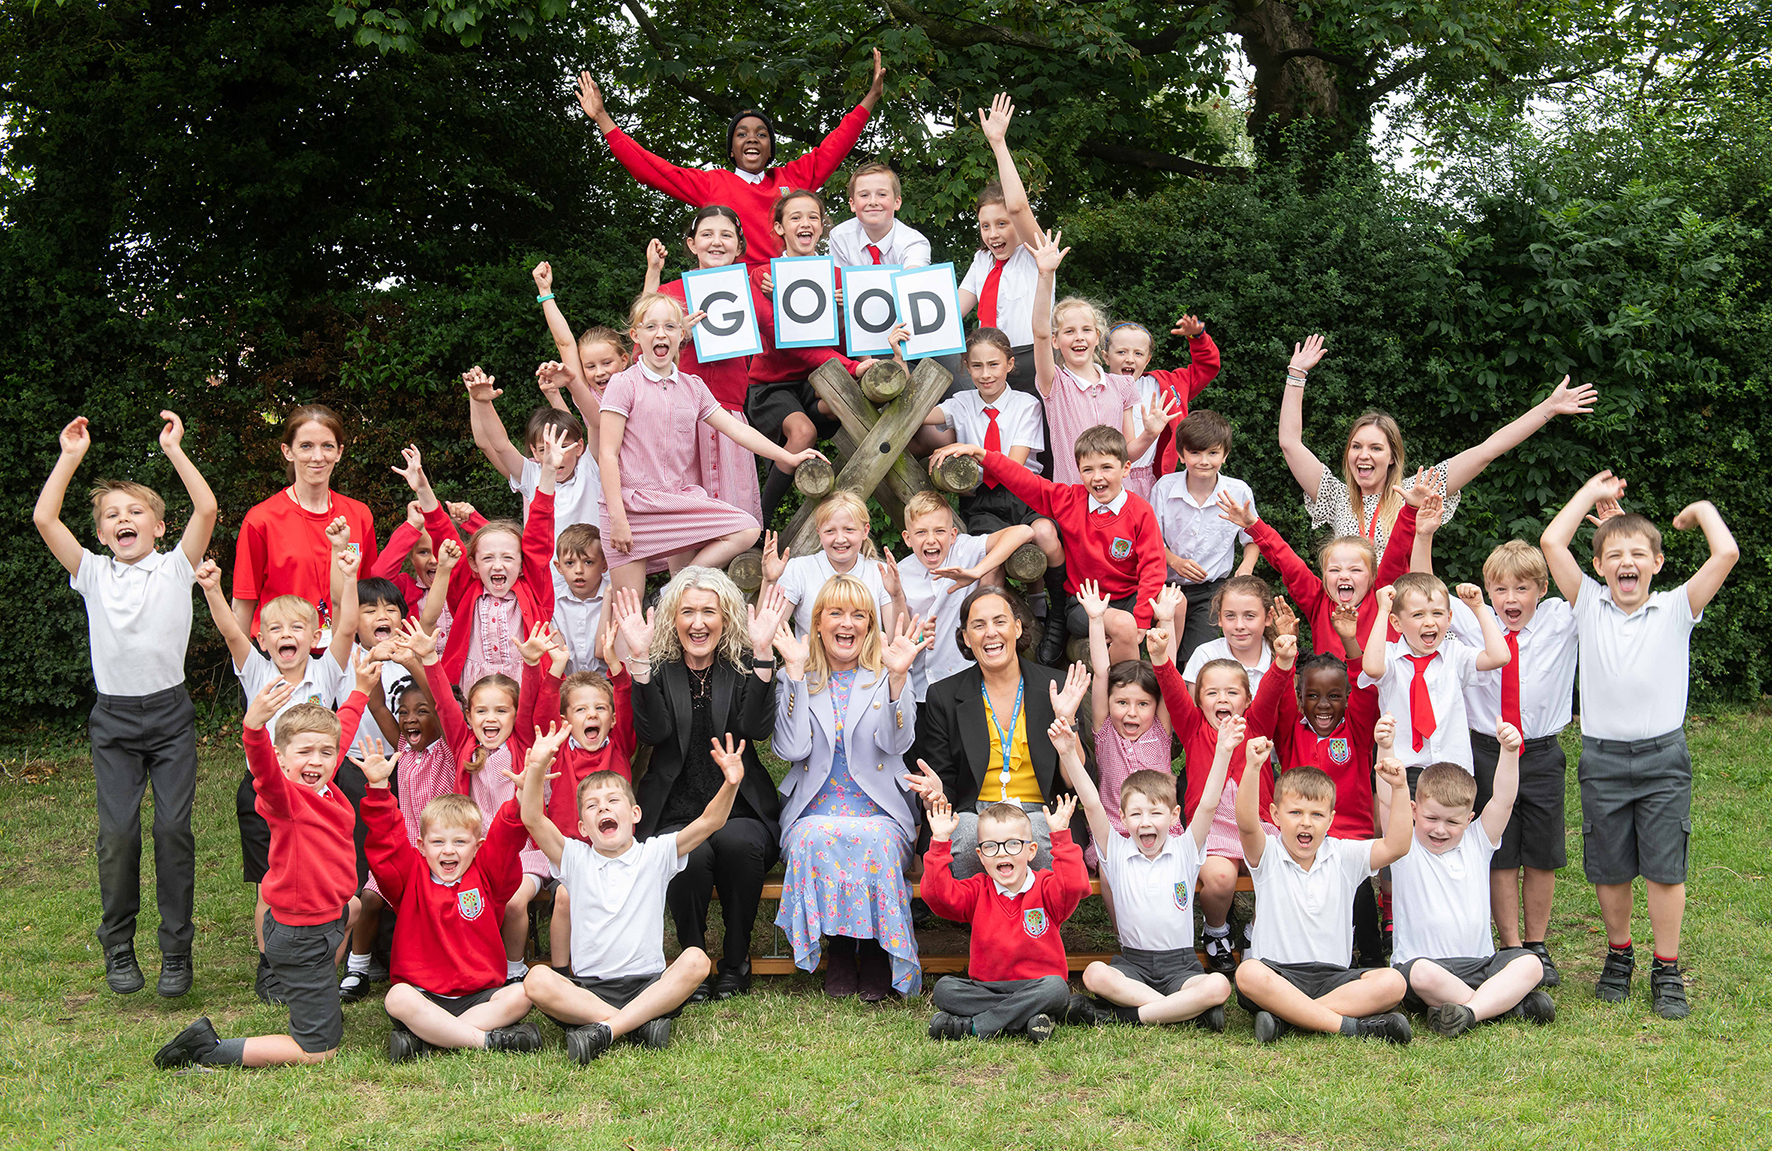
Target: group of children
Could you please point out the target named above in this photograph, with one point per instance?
(481, 677)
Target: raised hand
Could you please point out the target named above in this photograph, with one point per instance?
(209, 575)
(377, 768)
(1604, 510)
(1257, 752)
(994, 123)
(1285, 619)
(415, 516)
(1241, 514)
(413, 472)
(901, 653)
(1061, 734)
(543, 275)
(1095, 605)
(1170, 602)
(348, 561)
(1390, 769)
(636, 627)
(1285, 651)
(268, 702)
(422, 643)
(551, 376)
(1307, 355)
(1232, 733)
(1384, 732)
(1058, 816)
(879, 82)
(590, 98)
(1472, 595)
(172, 436)
(1507, 735)
(1345, 620)
(1067, 700)
(1567, 401)
(1604, 486)
(368, 672)
(1158, 411)
(479, 385)
(1386, 596)
(1688, 517)
(925, 783)
(889, 574)
(942, 819)
(793, 651)
(1188, 326)
(656, 253)
(553, 448)
(763, 617)
(460, 511)
(76, 438)
(1047, 254)
(773, 563)
(730, 759)
(447, 557)
(546, 746)
(1430, 514)
(338, 534)
(536, 644)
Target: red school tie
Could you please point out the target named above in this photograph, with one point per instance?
(987, 296)
(1421, 705)
(993, 439)
(1510, 684)
(874, 251)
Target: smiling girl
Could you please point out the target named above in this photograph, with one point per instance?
(844, 549)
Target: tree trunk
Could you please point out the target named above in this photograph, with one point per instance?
(1290, 89)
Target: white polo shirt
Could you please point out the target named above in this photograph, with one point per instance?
(1441, 902)
(1547, 670)
(804, 577)
(1153, 898)
(1221, 649)
(618, 906)
(928, 596)
(1021, 421)
(1015, 292)
(902, 245)
(1447, 678)
(138, 619)
(324, 682)
(1308, 916)
(576, 500)
(1636, 668)
(1199, 531)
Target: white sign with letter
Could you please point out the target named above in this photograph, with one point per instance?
(805, 301)
(730, 329)
(929, 302)
(869, 309)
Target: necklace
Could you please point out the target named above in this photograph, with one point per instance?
(701, 681)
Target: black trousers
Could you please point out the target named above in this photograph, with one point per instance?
(139, 741)
(734, 859)
(1198, 627)
(1005, 1005)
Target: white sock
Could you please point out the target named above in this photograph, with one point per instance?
(357, 964)
(516, 969)
(1220, 931)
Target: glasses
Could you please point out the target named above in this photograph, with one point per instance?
(995, 847)
(666, 326)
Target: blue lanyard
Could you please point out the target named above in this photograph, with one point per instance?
(1005, 739)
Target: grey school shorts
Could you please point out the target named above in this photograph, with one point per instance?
(1314, 979)
(1534, 835)
(303, 958)
(1473, 970)
(1162, 971)
(1636, 808)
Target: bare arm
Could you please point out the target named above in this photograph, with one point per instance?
(1249, 832)
(1399, 826)
(489, 431)
(1306, 468)
(1467, 465)
(1560, 532)
(1229, 737)
(1372, 661)
(731, 763)
(1095, 605)
(195, 541)
(1047, 255)
(615, 426)
(227, 621)
(1495, 653)
(1070, 763)
(531, 785)
(755, 442)
(1506, 786)
(75, 440)
(1708, 580)
(995, 125)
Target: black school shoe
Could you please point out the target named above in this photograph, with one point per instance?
(354, 986)
(945, 1026)
(1219, 960)
(1040, 1028)
(520, 1037)
(188, 1046)
(175, 976)
(403, 1045)
(1211, 1019)
(122, 972)
(584, 1044)
(1082, 1011)
(1613, 985)
(1537, 1008)
(1667, 991)
(703, 992)
(1551, 976)
(654, 1035)
(1451, 1020)
(1392, 1027)
(1269, 1027)
(733, 981)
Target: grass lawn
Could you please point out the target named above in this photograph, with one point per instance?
(785, 1067)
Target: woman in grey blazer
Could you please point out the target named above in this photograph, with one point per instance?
(843, 721)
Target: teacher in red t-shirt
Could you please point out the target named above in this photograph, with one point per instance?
(283, 548)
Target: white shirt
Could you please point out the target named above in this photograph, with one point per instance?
(1021, 421)
(1447, 678)
(902, 245)
(576, 620)
(618, 906)
(1636, 668)
(928, 596)
(1308, 916)
(576, 500)
(138, 619)
(1111, 507)
(1015, 293)
(1441, 902)
(1221, 649)
(321, 683)
(1027, 882)
(1546, 670)
(805, 576)
(1199, 531)
(391, 674)
(1153, 898)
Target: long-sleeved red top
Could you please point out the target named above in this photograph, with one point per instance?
(1181, 386)
(539, 694)
(447, 938)
(534, 589)
(775, 365)
(1199, 739)
(754, 203)
(1013, 937)
(1122, 551)
(1306, 586)
(313, 856)
(391, 560)
(1345, 754)
(574, 763)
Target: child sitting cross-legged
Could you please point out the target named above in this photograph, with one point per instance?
(1440, 898)
(449, 890)
(619, 984)
(1017, 974)
(1295, 973)
(1157, 977)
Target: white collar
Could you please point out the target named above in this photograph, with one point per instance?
(1114, 506)
(1131, 852)
(654, 376)
(1026, 883)
(1211, 497)
(630, 857)
(440, 882)
(750, 177)
(1084, 385)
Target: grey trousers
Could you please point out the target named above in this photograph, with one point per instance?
(138, 741)
(1007, 1005)
(965, 840)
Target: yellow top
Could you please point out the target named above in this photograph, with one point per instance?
(1023, 786)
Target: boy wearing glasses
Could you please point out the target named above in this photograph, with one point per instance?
(1017, 973)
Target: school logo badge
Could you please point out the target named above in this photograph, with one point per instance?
(1034, 922)
(469, 903)
(1338, 751)
(1181, 896)
(1121, 548)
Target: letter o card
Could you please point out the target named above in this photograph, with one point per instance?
(805, 301)
(869, 309)
(730, 329)
(929, 301)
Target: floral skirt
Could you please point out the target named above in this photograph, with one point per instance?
(845, 876)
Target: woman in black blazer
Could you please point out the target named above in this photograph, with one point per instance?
(695, 681)
(962, 719)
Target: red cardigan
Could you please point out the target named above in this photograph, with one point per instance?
(534, 589)
(1181, 386)
(1306, 586)
(1345, 754)
(539, 694)
(574, 763)
(313, 855)
(1199, 739)
(1017, 937)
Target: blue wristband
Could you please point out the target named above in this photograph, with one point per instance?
(544, 299)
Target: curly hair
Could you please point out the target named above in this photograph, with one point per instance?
(734, 642)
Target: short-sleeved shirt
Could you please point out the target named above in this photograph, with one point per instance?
(322, 683)
(1546, 670)
(1331, 506)
(618, 906)
(658, 446)
(902, 245)
(1021, 423)
(576, 499)
(927, 596)
(1441, 902)
(1635, 669)
(804, 577)
(1221, 649)
(1308, 916)
(138, 619)
(1199, 531)
(1015, 292)
(1447, 678)
(283, 550)
(1073, 407)
(1153, 898)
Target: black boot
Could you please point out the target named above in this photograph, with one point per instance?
(1057, 632)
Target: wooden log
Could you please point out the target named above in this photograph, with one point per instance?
(1026, 564)
(815, 479)
(956, 474)
(900, 484)
(746, 570)
(1077, 649)
(884, 382)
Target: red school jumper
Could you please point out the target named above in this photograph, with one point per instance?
(1306, 586)
(1345, 754)
(1199, 739)
(313, 855)
(534, 589)
(1181, 386)
(391, 561)
(1122, 551)
(574, 763)
(447, 938)
(1014, 937)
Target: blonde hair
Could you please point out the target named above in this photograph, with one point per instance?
(1311, 784)
(306, 719)
(1229, 665)
(848, 592)
(844, 500)
(1448, 785)
(928, 502)
(496, 681)
(1517, 559)
(876, 168)
(451, 811)
(1423, 584)
(668, 648)
(644, 303)
(1007, 816)
(1359, 543)
(585, 680)
(600, 334)
(285, 606)
(142, 492)
(603, 779)
(1157, 786)
(1097, 316)
(1389, 502)
(493, 527)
